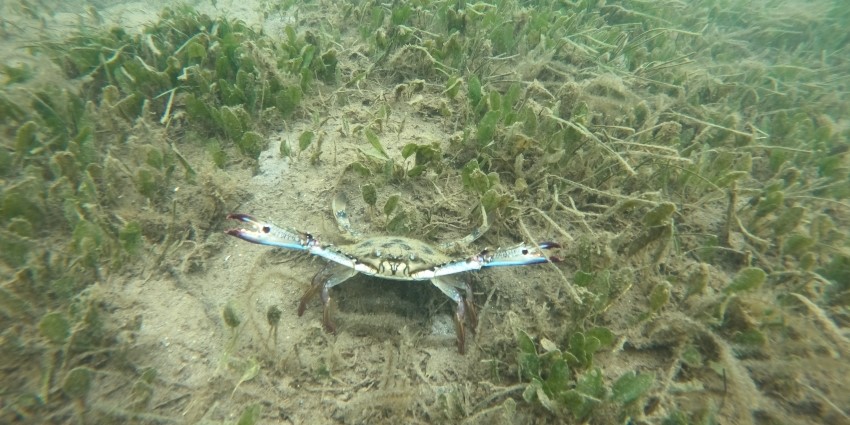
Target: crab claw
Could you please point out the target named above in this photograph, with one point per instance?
(265, 233)
(550, 245)
(520, 255)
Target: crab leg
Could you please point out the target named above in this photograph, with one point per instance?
(330, 276)
(470, 238)
(451, 286)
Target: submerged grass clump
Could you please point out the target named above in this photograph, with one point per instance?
(89, 183)
(702, 182)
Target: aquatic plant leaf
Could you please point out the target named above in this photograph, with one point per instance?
(580, 357)
(378, 149)
(558, 377)
(453, 86)
(399, 15)
(788, 220)
(218, 155)
(583, 278)
(494, 101)
(603, 335)
(697, 281)
(6, 160)
(659, 215)
(252, 369)
(287, 100)
(130, 237)
(306, 79)
(307, 54)
(727, 179)
(54, 327)
(130, 106)
(360, 169)
(474, 91)
(409, 149)
(22, 200)
(77, 382)
(416, 171)
(529, 394)
(487, 128)
(659, 296)
(391, 204)
(399, 224)
(838, 271)
(692, 357)
(45, 104)
(231, 95)
(252, 144)
(329, 61)
(26, 139)
(231, 124)
(510, 99)
(747, 279)
(196, 52)
(478, 181)
(770, 203)
(525, 343)
(305, 139)
(147, 181)
(370, 194)
(197, 110)
(284, 150)
(88, 240)
(751, 337)
(273, 315)
(492, 200)
(467, 171)
(590, 383)
(21, 227)
(631, 386)
(231, 319)
(797, 244)
(14, 307)
(577, 403)
(527, 359)
(83, 147)
(250, 416)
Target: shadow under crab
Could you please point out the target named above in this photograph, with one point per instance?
(391, 257)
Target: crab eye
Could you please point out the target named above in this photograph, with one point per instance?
(377, 252)
(412, 256)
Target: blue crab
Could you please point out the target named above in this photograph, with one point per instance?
(390, 257)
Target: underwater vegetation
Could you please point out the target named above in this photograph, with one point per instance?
(88, 172)
(701, 191)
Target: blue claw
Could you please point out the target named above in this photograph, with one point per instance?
(264, 233)
(519, 255)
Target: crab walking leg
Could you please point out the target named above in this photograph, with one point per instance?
(471, 237)
(330, 276)
(452, 286)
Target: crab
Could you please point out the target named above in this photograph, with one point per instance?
(391, 257)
